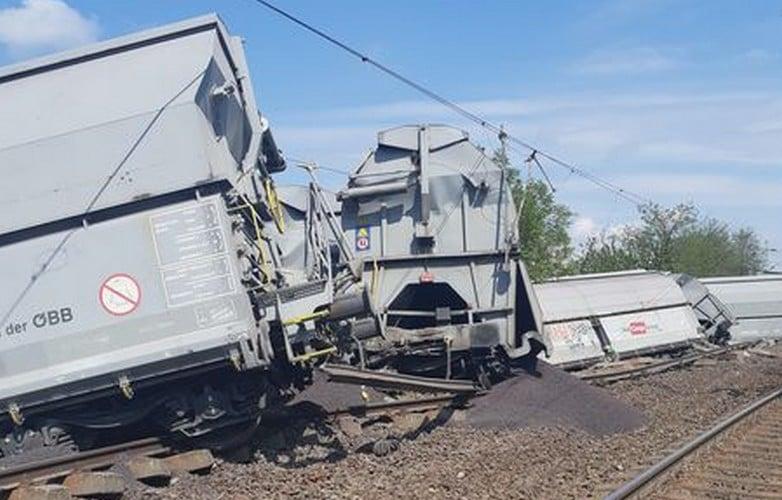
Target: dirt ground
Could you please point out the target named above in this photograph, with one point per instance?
(523, 453)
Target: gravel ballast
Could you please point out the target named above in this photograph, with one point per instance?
(554, 399)
(435, 459)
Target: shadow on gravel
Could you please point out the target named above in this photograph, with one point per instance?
(421, 424)
(302, 432)
(305, 434)
(299, 441)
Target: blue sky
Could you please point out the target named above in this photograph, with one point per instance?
(676, 100)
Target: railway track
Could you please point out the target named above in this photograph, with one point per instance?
(150, 460)
(418, 404)
(741, 457)
(60, 467)
(612, 374)
(88, 474)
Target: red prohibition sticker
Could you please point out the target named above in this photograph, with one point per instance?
(120, 294)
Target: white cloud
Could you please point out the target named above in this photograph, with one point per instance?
(758, 56)
(626, 61)
(584, 226)
(602, 132)
(38, 26)
(725, 190)
(622, 11)
(703, 153)
(765, 126)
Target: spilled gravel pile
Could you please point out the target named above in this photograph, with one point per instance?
(555, 399)
(440, 457)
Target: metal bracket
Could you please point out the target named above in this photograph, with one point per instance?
(16, 414)
(236, 359)
(126, 387)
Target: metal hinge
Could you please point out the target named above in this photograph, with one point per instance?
(125, 387)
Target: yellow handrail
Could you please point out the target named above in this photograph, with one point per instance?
(305, 317)
(274, 205)
(258, 237)
(308, 356)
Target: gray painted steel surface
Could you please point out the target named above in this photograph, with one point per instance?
(431, 216)
(634, 311)
(131, 291)
(156, 278)
(651, 331)
(590, 295)
(75, 115)
(296, 252)
(756, 302)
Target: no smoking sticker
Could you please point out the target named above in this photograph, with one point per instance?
(120, 294)
(362, 239)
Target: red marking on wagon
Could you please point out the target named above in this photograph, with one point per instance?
(638, 328)
(120, 294)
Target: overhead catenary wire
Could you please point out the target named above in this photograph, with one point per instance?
(318, 166)
(95, 198)
(634, 198)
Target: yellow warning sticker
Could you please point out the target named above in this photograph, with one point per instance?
(363, 240)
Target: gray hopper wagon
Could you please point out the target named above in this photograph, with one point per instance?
(754, 301)
(592, 318)
(142, 280)
(431, 218)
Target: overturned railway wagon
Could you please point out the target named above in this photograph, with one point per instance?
(714, 316)
(138, 245)
(756, 303)
(431, 218)
(593, 317)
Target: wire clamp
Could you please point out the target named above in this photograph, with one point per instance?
(16, 414)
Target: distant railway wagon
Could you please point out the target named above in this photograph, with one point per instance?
(756, 303)
(592, 317)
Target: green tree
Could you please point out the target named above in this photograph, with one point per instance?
(675, 239)
(546, 248)
(712, 249)
(604, 253)
(653, 242)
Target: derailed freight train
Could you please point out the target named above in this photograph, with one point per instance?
(153, 281)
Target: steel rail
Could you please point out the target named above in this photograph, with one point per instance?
(424, 403)
(353, 375)
(51, 468)
(614, 376)
(443, 400)
(636, 484)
